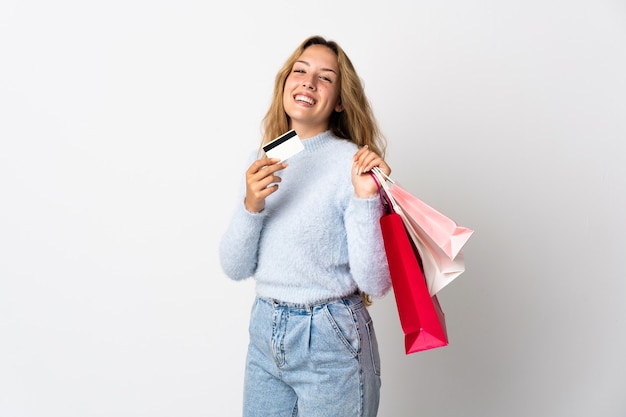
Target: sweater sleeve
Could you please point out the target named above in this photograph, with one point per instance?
(240, 243)
(366, 250)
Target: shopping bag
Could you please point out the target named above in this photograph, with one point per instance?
(444, 232)
(421, 317)
(439, 239)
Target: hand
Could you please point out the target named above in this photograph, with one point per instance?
(364, 160)
(261, 181)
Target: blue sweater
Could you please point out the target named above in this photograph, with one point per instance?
(315, 240)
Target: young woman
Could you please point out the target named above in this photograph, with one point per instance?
(308, 232)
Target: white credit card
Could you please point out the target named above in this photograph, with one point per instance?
(284, 146)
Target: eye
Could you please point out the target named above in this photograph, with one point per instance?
(298, 70)
(327, 79)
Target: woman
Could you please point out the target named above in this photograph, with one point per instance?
(308, 232)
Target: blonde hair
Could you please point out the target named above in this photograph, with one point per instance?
(355, 123)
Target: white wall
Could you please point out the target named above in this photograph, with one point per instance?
(123, 125)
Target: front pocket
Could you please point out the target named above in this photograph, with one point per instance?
(342, 321)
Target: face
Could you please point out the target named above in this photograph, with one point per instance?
(311, 91)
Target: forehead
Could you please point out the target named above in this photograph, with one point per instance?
(319, 55)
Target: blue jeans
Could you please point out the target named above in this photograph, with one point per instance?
(312, 361)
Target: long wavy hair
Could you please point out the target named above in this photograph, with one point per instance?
(356, 122)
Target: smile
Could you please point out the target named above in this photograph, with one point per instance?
(304, 99)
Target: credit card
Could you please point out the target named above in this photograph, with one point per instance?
(284, 146)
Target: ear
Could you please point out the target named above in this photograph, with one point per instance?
(338, 106)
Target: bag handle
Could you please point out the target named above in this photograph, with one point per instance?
(385, 199)
(380, 192)
(379, 172)
(382, 180)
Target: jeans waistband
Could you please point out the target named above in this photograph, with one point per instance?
(349, 300)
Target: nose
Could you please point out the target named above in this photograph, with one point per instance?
(309, 83)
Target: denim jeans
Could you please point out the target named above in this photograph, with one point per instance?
(312, 361)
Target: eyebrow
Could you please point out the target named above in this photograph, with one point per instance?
(323, 69)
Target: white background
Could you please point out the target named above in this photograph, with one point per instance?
(124, 126)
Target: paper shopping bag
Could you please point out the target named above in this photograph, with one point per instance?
(421, 317)
(439, 270)
(438, 239)
(440, 229)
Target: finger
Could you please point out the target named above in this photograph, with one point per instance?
(255, 200)
(257, 189)
(262, 193)
(261, 164)
(360, 152)
(267, 182)
(257, 172)
(384, 167)
(359, 158)
(372, 162)
(264, 174)
(367, 161)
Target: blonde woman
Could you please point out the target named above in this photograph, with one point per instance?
(308, 232)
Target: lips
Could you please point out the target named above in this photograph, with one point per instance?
(304, 99)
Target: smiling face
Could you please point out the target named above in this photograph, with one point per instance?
(311, 92)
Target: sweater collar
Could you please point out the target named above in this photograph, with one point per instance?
(318, 142)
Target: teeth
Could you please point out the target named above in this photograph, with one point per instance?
(304, 99)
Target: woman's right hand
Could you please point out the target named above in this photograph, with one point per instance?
(261, 181)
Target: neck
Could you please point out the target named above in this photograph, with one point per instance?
(305, 132)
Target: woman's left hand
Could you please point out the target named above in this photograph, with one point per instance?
(364, 160)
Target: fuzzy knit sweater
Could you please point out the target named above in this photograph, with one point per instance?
(315, 240)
